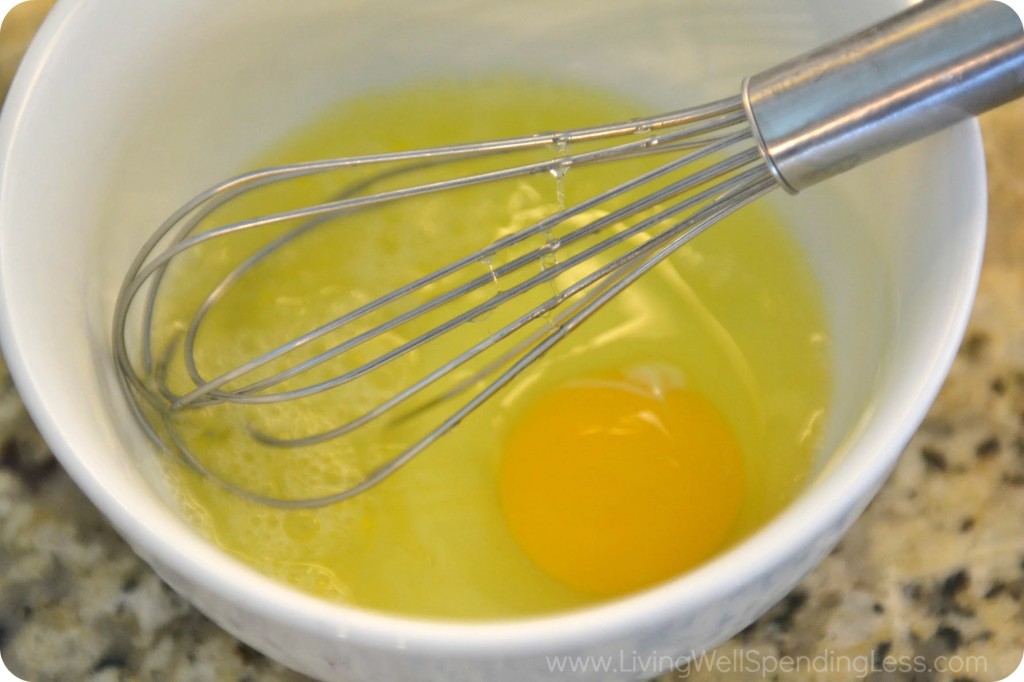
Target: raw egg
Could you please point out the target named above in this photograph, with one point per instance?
(611, 485)
(676, 420)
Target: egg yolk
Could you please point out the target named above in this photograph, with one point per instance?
(611, 486)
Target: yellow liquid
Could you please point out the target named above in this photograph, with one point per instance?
(734, 318)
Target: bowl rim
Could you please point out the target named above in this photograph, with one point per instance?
(806, 518)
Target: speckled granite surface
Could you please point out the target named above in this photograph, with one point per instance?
(928, 585)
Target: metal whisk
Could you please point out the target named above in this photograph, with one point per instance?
(793, 125)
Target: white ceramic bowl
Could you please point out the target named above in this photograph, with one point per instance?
(123, 109)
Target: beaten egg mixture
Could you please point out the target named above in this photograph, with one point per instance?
(678, 419)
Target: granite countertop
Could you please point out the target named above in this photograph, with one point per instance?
(931, 577)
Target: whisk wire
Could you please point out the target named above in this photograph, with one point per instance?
(706, 131)
(733, 189)
(757, 182)
(243, 394)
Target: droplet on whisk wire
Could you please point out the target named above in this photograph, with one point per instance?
(548, 260)
(549, 238)
(562, 143)
(558, 173)
(488, 263)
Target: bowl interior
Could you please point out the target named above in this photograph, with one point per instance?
(169, 97)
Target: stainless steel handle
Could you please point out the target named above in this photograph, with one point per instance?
(924, 69)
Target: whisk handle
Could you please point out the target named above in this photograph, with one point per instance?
(926, 68)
